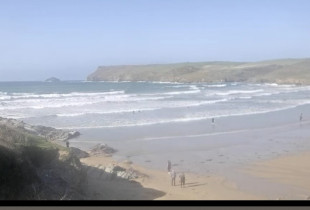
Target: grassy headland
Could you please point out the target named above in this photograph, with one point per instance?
(284, 71)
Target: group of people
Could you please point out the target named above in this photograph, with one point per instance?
(173, 175)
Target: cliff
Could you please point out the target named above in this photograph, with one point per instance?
(34, 167)
(285, 71)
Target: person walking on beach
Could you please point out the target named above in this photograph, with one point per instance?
(182, 180)
(173, 176)
(169, 166)
(212, 120)
(67, 143)
(300, 117)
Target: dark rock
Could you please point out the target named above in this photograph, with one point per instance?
(39, 130)
(121, 172)
(78, 153)
(100, 149)
(73, 134)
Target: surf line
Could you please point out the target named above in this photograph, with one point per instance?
(217, 133)
(192, 136)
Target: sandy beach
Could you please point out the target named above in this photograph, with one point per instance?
(261, 162)
(156, 185)
(290, 174)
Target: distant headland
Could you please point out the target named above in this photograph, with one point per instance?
(281, 71)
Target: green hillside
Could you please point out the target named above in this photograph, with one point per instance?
(284, 71)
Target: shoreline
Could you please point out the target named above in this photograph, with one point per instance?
(234, 140)
(217, 162)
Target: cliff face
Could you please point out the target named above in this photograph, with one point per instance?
(286, 71)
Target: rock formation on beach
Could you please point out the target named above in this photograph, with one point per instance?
(285, 71)
(43, 131)
(102, 149)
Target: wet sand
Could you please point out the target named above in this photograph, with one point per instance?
(291, 171)
(216, 154)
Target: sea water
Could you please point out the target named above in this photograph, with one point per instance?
(82, 104)
(152, 122)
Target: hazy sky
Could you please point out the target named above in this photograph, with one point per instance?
(70, 38)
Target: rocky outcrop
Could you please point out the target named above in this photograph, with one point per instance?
(42, 131)
(102, 149)
(285, 71)
(78, 153)
(112, 171)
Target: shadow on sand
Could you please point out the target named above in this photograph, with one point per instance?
(192, 184)
(106, 186)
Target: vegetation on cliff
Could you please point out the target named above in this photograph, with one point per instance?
(285, 71)
(32, 168)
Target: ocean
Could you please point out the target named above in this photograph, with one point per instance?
(152, 122)
(81, 104)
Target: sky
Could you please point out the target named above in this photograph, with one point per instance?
(69, 39)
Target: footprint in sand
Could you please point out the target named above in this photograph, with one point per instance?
(209, 160)
(148, 161)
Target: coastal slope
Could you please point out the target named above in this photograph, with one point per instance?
(33, 168)
(283, 71)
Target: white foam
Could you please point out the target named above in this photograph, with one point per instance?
(188, 119)
(183, 92)
(57, 95)
(105, 112)
(218, 85)
(235, 92)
